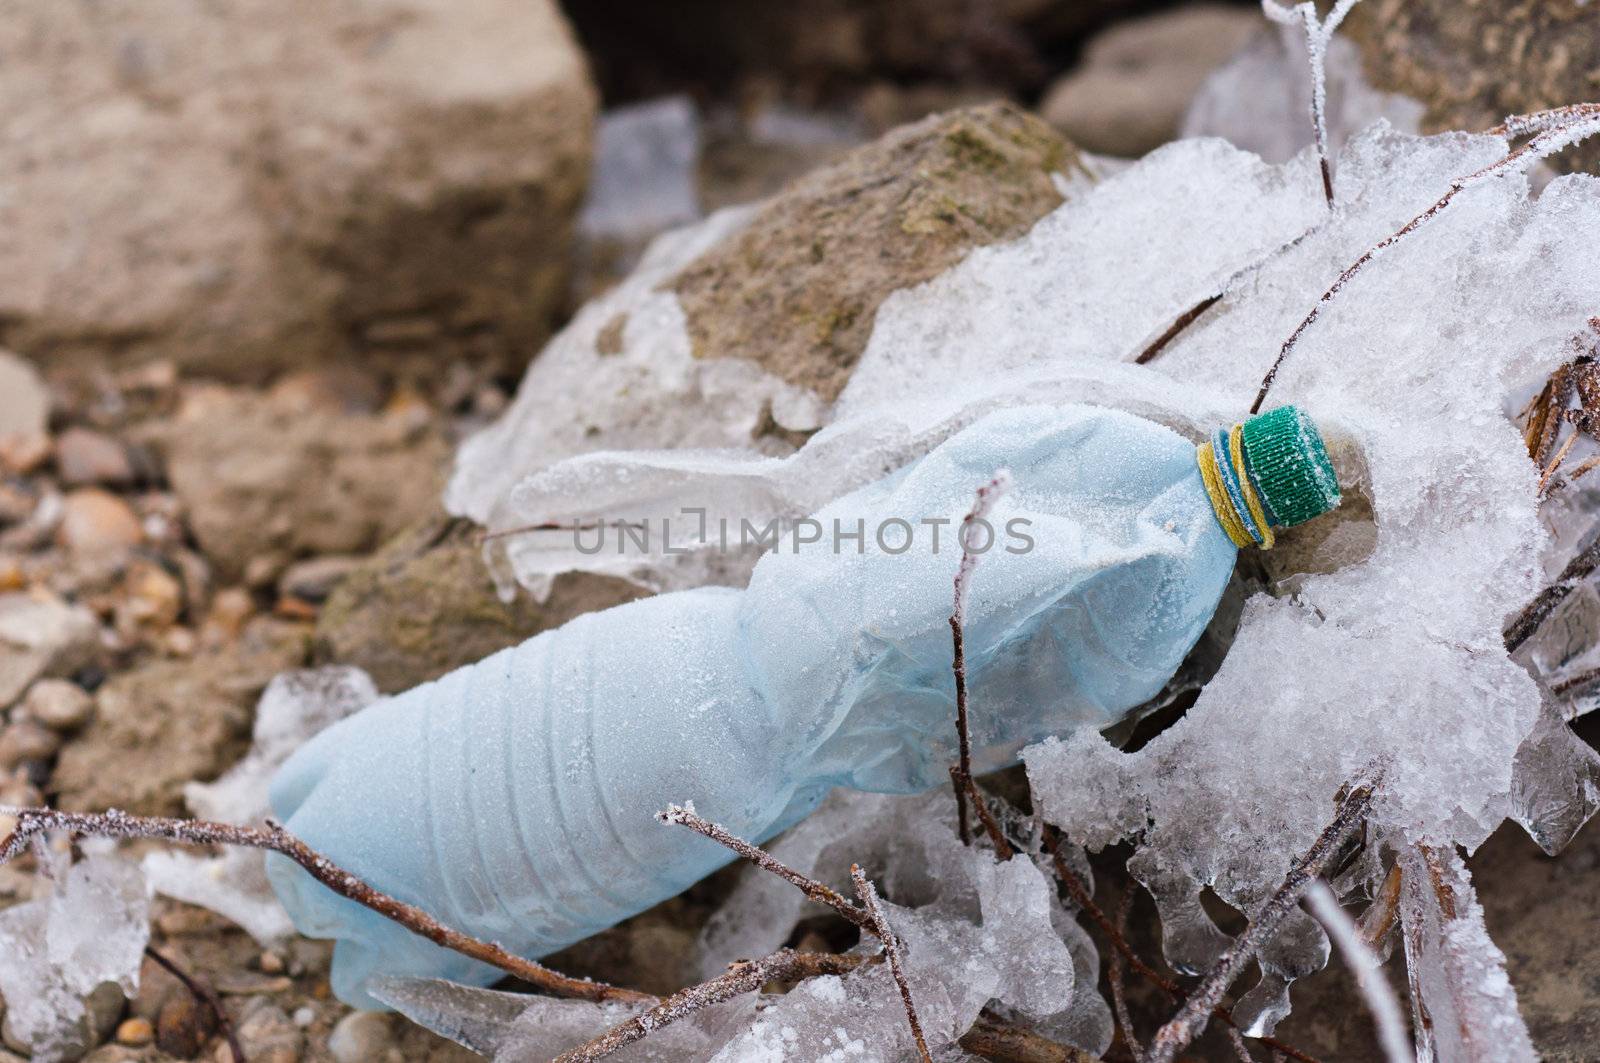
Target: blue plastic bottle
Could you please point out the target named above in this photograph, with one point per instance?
(514, 798)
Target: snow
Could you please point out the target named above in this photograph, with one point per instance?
(58, 949)
(644, 177)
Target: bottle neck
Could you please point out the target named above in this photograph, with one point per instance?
(1235, 499)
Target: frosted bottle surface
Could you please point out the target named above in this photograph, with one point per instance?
(514, 798)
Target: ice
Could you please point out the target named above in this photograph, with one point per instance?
(1458, 975)
(294, 707)
(57, 950)
(644, 177)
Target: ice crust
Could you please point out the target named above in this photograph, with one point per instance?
(91, 930)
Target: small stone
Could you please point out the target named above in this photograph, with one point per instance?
(12, 577)
(304, 1016)
(24, 399)
(59, 704)
(271, 963)
(96, 521)
(362, 1037)
(152, 598)
(314, 580)
(263, 570)
(230, 608)
(42, 635)
(84, 456)
(22, 453)
(184, 1026)
(135, 1033)
(105, 1007)
(23, 740)
(268, 1035)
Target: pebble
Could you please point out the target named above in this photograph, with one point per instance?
(84, 456)
(22, 453)
(24, 740)
(184, 1026)
(362, 1037)
(94, 521)
(268, 1035)
(314, 580)
(24, 399)
(272, 963)
(152, 597)
(135, 1033)
(59, 704)
(230, 608)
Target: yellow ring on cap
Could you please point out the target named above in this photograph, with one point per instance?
(1248, 489)
(1211, 476)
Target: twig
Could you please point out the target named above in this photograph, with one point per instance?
(1119, 943)
(1534, 614)
(993, 1039)
(891, 949)
(1191, 1019)
(1374, 987)
(1547, 141)
(205, 995)
(745, 976)
(681, 816)
(32, 822)
(1376, 922)
(1240, 1049)
(1114, 973)
(961, 774)
(1183, 321)
(1318, 34)
(991, 826)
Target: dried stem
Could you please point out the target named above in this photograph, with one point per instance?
(745, 976)
(1318, 33)
(1547, 141)
(1119, 943)
(1378, 920)
(817, 891)
(1192, 1018)
(205, 995)
(991, 826)
(1236, 1039)
(1534, 614)
(961, 774)
(1114, 975)
(891, 949)
(33, 822)
(1183, 321)
(1359, 957)
(993, 1039)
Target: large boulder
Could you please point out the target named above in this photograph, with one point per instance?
(1473, 64)
(242, 186)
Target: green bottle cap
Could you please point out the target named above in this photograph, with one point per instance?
(1289, 466)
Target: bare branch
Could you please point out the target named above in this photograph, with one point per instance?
(745, 976)
(1192, 1018)
(1375, 988)
(817, 891)
(993, 1039)
(961, 774)
(891, 949)
(1534, 614)
(1114, 973)
(205, 995)
(33, 822)
(1378, 920)
(1240, 1049)
(1546, 142)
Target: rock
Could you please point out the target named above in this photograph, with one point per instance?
(59, 704)
(21, 453)
(168, 723)
(24, 399)
(42, 636)
(88, 457)
(314, 580)
(151, 598)
(425, 604)
(268, 1035)
(1129, 94)
(797, 289)
(94, 521)
(135, 1033)
(364, 1037)
(259, 184)
(184, 1026)
(261, 478)
(1471, 65)
(24, 740)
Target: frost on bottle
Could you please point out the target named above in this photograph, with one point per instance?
(514, 798)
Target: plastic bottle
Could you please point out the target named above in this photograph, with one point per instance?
(514, 798)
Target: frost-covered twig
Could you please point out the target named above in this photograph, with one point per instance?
(34, 822)
(991, 826)
(1546, 142)
(1196, 1012)
(1119, 943)
(961, 774)
(1580, 568)
(682, 816)
(993, 1039)
(1240, 1049)
(1378, 919)
(1363, 963)
(744, 976)
(205, 995)
(1318, 34)
(1119, 999)
(891, 950)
